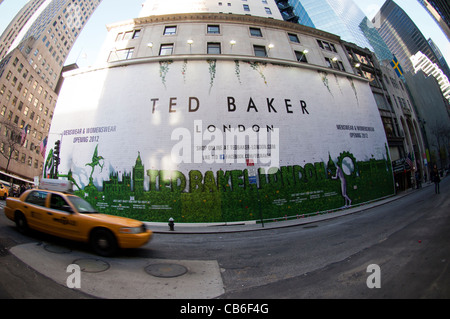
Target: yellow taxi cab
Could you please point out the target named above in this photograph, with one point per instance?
(68, 216)
(3, 191)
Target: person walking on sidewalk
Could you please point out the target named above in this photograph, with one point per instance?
(436, 179)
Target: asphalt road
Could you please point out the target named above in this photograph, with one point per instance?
(409, 239)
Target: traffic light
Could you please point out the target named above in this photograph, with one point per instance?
(56, 158)
(57, 148)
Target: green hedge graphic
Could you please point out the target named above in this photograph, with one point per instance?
(228, 196)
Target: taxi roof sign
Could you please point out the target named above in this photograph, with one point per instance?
(57, 185)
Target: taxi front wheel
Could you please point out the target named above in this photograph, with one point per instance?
(103, 242)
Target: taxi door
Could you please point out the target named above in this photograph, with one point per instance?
(34, 208)
(62, 220)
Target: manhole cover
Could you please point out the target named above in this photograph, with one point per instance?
(92, 265)
(166, 270)
(57, 249)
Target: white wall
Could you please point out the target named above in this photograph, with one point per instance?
(122, 99)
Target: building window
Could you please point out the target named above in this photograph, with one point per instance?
(268, 11)
(170, 30)
(128, 35)
(293, 38)
(213, 29)
(131, 35)
(166, 49)
(246, 7)
(120, 55)
(260, 51)
(214, 48)
(136, 34)
(335, 64)
(255, 32)
(326, 46)
(301, 57)
(329, 64)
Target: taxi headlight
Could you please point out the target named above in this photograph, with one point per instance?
(131, 230)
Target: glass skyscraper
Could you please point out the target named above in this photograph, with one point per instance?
(343, 18)
(440, 11)
(402, 36)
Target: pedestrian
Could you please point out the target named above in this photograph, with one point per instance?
(22, 189)
(436, 179)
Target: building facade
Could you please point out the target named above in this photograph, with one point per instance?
(194, 115)
(397, 113)
(29, 76)
(422, 63)
(433, 112)
(261, 8)
(15, 27)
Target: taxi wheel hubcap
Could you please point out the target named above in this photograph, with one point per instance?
(103, 243)
(21, 223)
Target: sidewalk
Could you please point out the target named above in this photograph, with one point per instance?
(234, 227)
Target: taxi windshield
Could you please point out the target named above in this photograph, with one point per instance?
(82, 206)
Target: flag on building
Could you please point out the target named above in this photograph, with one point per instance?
(43, 146)
(23, 135)
(396, 66)
(409, 161)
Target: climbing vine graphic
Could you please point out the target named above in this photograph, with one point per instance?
(354, 88)
(212, 72)
(324, 77)
(237, 70)
(259, 67)
(163, 70)
(184, 70)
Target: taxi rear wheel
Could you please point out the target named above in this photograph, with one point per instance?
(103, 242)
(21, 223)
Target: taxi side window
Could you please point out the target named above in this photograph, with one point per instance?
(59, 203)
(36, 198)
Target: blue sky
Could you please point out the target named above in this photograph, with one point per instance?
(86, 49)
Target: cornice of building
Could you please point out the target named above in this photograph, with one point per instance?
(221, 57)
(228, 18)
